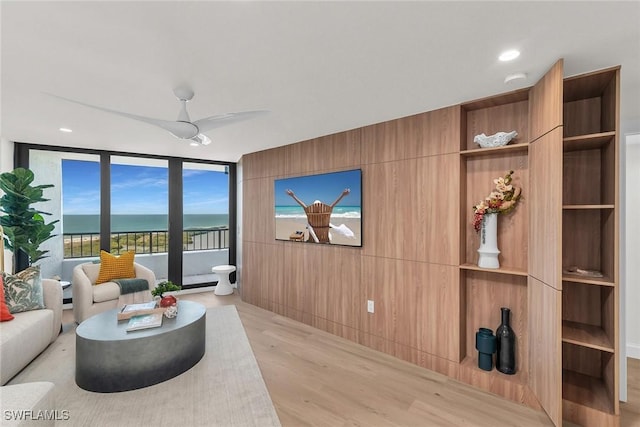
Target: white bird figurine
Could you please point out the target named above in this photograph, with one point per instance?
(497, 140)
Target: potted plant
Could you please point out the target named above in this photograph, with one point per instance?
(166, 286)
(24, 226)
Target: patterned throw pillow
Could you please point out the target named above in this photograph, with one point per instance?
(116, 267)
(23, 290)
(5, 315)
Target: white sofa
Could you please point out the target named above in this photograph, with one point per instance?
(29, 333)
(22, 403)
(90, 299)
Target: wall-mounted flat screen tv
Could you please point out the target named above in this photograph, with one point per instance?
(324, 208)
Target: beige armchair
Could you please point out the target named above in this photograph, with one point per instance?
(90, 299)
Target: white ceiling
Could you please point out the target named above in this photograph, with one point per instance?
(318, 67)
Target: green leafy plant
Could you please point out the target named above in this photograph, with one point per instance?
(163, 287)
(24, 226)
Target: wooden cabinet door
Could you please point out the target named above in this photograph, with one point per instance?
(545, 103)
(545, 242)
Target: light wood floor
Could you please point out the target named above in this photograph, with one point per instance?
(318, 379)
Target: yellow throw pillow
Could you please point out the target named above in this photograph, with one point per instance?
(115, 267)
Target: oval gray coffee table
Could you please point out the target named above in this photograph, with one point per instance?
(110, 359)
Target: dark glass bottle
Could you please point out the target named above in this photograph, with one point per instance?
(506, 345)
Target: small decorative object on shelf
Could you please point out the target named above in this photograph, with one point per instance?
(486, 346)
(496, 140)
(506, 345)
(582, 272)
(501, 200)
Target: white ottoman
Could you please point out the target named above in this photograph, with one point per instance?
(224, 285)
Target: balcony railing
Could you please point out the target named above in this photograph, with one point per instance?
(79, 245)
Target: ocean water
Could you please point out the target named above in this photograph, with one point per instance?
(78, 224)
(296, 211)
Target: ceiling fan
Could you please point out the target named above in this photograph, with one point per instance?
(183, 127)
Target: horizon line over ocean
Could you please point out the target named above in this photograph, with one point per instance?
(78, 224)
(296, 211)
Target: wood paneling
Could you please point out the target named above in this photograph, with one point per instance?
(381, 213)
(545, 199)
(545, 102)
(411, 300)
(426, 134)
(323, 154)
(381, 143)
(545, 352)
(258, 215)
(410, 209)
(432, 133)
(264, 163)
(430, 221)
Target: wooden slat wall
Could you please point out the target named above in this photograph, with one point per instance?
(408, 263)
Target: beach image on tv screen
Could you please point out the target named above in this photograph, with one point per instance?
(322, 209)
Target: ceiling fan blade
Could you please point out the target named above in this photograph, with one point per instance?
(183, 130)
(213, 122)
(201, 139)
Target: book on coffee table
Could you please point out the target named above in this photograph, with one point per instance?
(144, 321)
(130, 310)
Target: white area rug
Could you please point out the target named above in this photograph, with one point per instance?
(224, 389)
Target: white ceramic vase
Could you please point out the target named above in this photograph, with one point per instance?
(488, 249)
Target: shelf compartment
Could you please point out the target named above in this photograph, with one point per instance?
(513, 228)
(589, 103)
(586, 390)
(503, 113)
(586, 335)
(484, 294)
(589, 176)
(588, 241)
(515, 272)
(588, 317)
(588, 142)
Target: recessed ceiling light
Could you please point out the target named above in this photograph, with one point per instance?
(194, 144)
(65, 130)
(509, 55)
(515, 76)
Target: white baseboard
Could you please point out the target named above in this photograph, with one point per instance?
(633, 351)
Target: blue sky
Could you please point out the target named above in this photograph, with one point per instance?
(140, 190)
(323, 187)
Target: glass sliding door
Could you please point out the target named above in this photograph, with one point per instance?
(205, 201)
(139, 211)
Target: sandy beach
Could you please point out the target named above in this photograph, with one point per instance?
(287, 226)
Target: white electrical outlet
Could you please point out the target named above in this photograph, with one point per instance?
(370, 306)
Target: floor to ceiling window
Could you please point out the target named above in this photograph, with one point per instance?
(139, 210)
(130, 201)
(205, 206)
